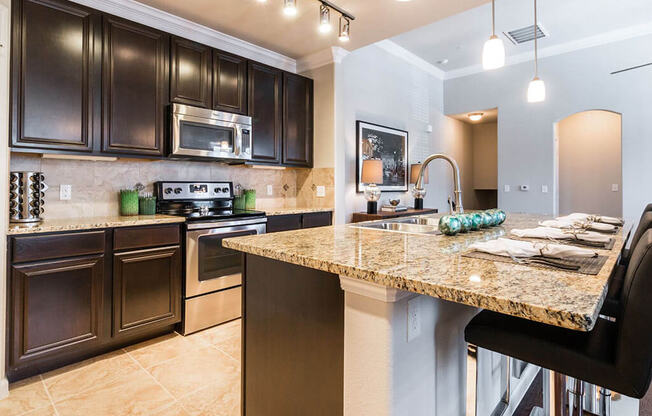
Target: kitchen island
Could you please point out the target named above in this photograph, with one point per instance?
(326, 316)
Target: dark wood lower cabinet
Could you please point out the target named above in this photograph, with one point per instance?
(146, 289)
(92, 297)
(56, 307)
(277, 223)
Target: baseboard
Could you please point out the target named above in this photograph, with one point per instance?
(4, 388)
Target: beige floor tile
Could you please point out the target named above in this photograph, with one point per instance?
(191, 372)
(133, 395)
(94, 375)
(219, 333)
(218, 399)
(160, 349)
(46, 411)
(171, 410)
(24, 396)
(231, 346)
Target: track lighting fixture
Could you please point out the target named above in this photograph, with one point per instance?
(345, 29)
(325, 19)
(290, 7)
(325, 26)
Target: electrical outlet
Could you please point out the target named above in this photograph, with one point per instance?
(321, 191)
(413, 318)
(507, 188)
(544, 189)
(270, 190)
(65, 192)
(614, 187)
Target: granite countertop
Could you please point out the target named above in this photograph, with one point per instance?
(90, 223)
(433, 265)
(291, 211)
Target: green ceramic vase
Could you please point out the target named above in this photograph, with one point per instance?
(465, 222)
(450, 225)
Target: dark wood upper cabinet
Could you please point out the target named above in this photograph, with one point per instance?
(297, 120)
(229, 83)
(56, 70)
(56, 307)
(190, 75)
(265, 107)
(136, 88)
(146, 289)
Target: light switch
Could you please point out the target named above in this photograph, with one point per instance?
(507, 188)
(270, 190)
(544, 189)
(614, 187)
(65, 192)
(321, 191)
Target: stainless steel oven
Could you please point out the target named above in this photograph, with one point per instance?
(205, 133)
(214, 273)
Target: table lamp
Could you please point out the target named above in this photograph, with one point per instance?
(372, 174)
(414, 175)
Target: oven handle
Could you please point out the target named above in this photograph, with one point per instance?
(224, 224)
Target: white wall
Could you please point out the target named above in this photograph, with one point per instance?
(575, 82)
(375, 86)
(590, 163)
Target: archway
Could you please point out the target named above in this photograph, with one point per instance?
(589, 163)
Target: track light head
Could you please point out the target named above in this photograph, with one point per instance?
(345, 29)
(325, 19)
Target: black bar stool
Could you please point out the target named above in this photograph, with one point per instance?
(644, 224)
(614, 355)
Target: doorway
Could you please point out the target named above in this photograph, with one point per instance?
(589, 163)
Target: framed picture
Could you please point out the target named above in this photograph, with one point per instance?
(391, 146)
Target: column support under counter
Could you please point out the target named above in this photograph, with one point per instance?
(385, 374)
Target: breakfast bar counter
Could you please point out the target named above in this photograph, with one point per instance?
(359, 321)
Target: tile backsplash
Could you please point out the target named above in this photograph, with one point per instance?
(95, 184)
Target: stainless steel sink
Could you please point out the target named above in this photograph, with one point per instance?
(403, 226)
(420, 221)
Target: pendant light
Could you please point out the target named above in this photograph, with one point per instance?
(493, 53)
(536, 91)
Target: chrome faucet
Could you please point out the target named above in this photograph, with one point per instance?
(456, 178)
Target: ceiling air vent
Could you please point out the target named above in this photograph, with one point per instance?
(525, 34)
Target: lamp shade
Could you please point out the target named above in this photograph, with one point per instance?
(372, 171)
(536, 91)
(493, 53)
(414, 173)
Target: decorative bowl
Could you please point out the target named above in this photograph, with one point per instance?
(450, 225)
(394, 202)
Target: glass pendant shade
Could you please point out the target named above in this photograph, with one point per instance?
(493, 53)
(536, 91)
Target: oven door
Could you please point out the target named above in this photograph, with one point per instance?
(211, 267)
(204, 137)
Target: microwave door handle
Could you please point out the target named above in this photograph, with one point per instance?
(237, 142)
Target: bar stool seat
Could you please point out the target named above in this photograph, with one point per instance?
(644, 224)
(611, 305)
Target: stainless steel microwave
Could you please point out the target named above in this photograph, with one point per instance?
(207, 133)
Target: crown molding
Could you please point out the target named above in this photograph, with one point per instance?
(562, 48)
(409, 57)
(147, 15)
(334, 54)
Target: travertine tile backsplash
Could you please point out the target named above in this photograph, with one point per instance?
(95, 185)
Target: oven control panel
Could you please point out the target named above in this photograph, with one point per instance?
(193, 190)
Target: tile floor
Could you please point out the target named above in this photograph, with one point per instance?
(198, 375)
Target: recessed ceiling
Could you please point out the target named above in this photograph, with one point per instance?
(460, 38)
(265, 25)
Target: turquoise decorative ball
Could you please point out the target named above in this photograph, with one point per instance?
(495, 219)
(450, 225)
(476, 221)
(465, 221)
(502, 216)
(487, 220)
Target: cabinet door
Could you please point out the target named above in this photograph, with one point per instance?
(191, 78)
(135, 75)
(297, 120)
(56, 307)
(316, 219)
(229, 83)
(56, 75)
(265, 111)
(146, 289)
(276, 223)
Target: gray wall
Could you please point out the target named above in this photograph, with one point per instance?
(575, 82)
(375, 86)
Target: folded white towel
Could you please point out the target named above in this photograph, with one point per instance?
(559, 234)
(570, 224)
(517, 248)
(577, 216)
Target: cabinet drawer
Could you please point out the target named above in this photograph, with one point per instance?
(53, 246)
(316, 219)
(143, 237)
(278, 223)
